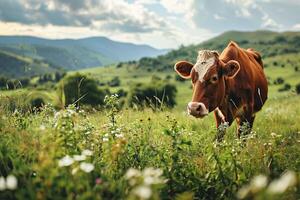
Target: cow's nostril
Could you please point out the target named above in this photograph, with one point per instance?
(198, 108)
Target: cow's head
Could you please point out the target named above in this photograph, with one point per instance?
(207, 76)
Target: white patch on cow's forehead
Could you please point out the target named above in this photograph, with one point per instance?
(205, 61)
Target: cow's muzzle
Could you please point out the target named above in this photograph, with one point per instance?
(197, 110)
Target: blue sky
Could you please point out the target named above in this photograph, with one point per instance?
(160, 23)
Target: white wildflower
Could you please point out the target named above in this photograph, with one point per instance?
(71, 112)
(79, 157)
(143, 192)
(87, 152)
(243, 192)
(65, 161)
(152, 176)
(280, 185)
(119, 135)
(75, 170)
(56, 115)
(105, 139)
(11, 182)
(274, 135)
(2, 183)
(132, 173)
(86, 167)
(258, 183)
(149, 180)
(42, 127)
(152, 172)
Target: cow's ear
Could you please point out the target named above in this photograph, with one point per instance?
(231, 68)
(184, 69)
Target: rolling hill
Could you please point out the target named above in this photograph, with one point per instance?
(16, 66)
(73, 54)
(268, 43)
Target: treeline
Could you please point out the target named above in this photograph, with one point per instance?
(80, 89)
(51, 77)
(12, 83)
(276, 45)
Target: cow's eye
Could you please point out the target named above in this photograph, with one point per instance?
(214, 78)
(204, 62)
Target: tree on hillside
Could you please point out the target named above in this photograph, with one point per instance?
(114, 82)
(80, 89)
(298, 88)
(153, 95)
(3, 82)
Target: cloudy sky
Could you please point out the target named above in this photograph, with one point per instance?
(160, 23)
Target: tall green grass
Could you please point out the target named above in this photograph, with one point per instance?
(46, 151)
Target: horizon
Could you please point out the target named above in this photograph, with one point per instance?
(157, 23)
(88, 37)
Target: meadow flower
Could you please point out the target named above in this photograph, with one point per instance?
(98, 181)
(143, 192)
(65, 161)
(119, 135)
(152, 176)
(87, 152)
(79, 157)
(56, 115)
(132, 173)
(258, 182)
(42, 127)
(280, 185)
(152, 172)
(2, 183)
(11, 182)
(149, 180)
(75, 170)
(105, 139)
(274, 135)
(86, 167)
(243, 192)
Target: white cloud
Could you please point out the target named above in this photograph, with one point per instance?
(104, 13)
(222, 15)
(162, 23)
(177, 6)
(218, 17)
(296, 27)
(270, 23)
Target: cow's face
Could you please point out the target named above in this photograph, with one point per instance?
(208, 81)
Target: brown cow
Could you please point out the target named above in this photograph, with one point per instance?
(232, 84)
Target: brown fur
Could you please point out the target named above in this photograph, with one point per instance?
(241, 87)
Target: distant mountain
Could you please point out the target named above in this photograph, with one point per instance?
(268, 43)
(73, 54)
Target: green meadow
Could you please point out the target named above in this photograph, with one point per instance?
(56, 142)
(162, 153)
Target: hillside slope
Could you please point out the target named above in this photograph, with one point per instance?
(15, 66)
(77, 54)
(266, 42)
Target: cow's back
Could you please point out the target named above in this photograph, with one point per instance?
(250, 82)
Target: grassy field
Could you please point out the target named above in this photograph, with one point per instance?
(150, 154)
(284, 68)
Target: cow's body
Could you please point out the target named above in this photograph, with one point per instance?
(234, 87)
